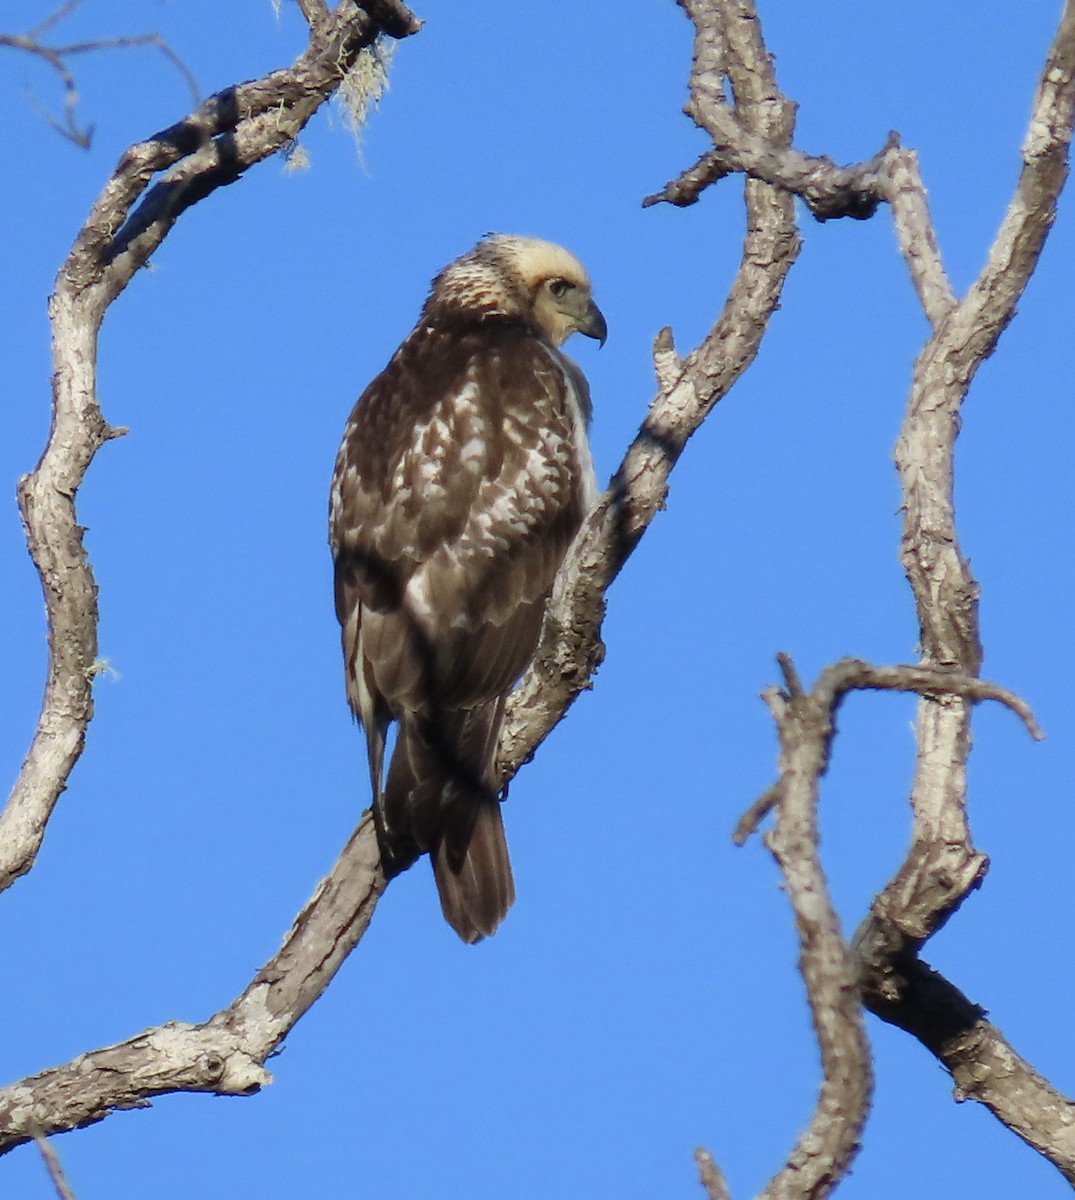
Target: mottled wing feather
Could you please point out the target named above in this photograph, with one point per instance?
(457, 490)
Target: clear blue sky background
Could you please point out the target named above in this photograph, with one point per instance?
(642, 997)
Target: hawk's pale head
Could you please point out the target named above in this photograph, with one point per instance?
(522, 278)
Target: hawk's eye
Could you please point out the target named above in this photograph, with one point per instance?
(560, 287)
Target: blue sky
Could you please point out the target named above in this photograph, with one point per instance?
(641, 998)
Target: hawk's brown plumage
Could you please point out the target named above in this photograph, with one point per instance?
(463, 475)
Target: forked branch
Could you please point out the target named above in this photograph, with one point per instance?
(942, 866)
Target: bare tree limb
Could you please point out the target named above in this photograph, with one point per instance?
(54, 18)
(806, 724)
(900, 988)
(826, 1148)
(313, 10)
(212, 147)
(828, 191)
(852, 674)
(906, 197)
(943, 866)
(225, 1055)
(946, 594)
(687, 390)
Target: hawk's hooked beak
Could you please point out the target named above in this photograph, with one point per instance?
(592, 323)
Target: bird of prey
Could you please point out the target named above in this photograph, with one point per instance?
(463, 476)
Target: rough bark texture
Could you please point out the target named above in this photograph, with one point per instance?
(943, 866)
(828, 1145)
(225, 1055)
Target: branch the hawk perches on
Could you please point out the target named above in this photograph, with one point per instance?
(463, 476)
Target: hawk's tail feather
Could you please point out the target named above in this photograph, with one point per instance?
(439, 797)
(476, 897)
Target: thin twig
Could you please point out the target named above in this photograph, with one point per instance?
(54, 56)
(755, 814)
(54, 18)
(54, 1168)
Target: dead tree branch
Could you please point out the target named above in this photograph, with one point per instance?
(806, 725)
(828, 1145)
(852, 674)
(711, 1176)
(225, 1055)
(153, 184)
(942, 866)
(900, 988)
(726, 46)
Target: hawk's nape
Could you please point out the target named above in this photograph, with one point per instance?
(463, 476)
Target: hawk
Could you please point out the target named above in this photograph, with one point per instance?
(463, 476)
